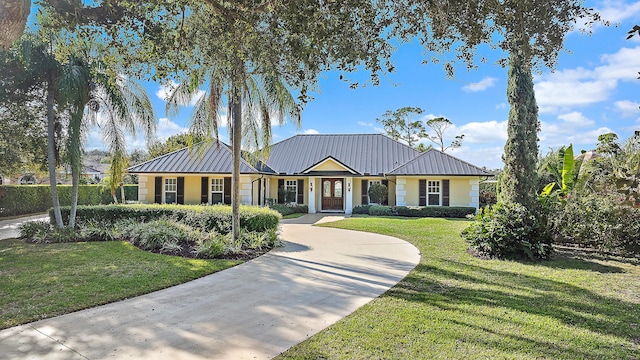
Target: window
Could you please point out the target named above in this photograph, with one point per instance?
(433, 192)
(217, 191)
(291, 189)
(337, 191)
(170, 190)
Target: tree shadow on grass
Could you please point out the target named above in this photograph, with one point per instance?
(467, 293)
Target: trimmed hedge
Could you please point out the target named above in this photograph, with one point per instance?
(435, 211)
(380, 210)
(284, 209)
(361, 209)
(29, 199)
(206, 217)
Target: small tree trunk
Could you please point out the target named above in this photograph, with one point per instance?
(51, 154)
(113, 194)
(236, 144)
(122, 199)
(75, 182)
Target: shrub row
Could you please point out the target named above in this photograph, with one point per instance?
(285, 209)
(423, 211)
(206, 217)
(29, 199)
(599, 223)
(163, 236)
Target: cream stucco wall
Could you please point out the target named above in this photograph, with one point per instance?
(462, 189)
(357, 190)
(192, 187)
(329, 165)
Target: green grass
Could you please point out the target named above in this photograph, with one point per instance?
(39, 281)
(454, 306)
(294, 216)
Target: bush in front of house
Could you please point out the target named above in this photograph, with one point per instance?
(380, 210)
(206, 217)
(288, 209)
(435, 211)
(378, 193)
(30, 199)
(361, 209)
(508, 231)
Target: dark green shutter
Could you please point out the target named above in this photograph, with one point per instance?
(301, 192)
(227, 191)
(180, 197)
(445, 192)
(280, 191)
(386, 200)
(423, 193)
(259, 191)
(365, 192)
(158, 190)
(204, 190)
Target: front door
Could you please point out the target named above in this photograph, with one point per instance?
(332, 198)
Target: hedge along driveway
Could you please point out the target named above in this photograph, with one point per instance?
(31, 199)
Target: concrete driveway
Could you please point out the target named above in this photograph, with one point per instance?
(9, 228)
(253, 311)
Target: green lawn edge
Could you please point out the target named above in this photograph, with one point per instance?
(40, 281)
(455, 306)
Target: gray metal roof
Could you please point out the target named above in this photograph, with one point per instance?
(210, 159)
(370, 154)
(365, 154)
(435, 162)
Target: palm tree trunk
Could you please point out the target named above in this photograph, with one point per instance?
(51, 154)
(236, 143)
(75, 181)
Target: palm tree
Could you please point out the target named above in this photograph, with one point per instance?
(253, 101)
(116, 104)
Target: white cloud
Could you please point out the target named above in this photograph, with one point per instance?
(501, 106)
(580, 87)
(310, 132)
(576, 119)
(491, 157)
(616, 11)
(168, 128)
(481, 85)
(627, 108)
(482, 132)
(365, 124)
(164, 91)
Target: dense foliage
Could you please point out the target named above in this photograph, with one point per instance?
(208, 218)
(378, 193)
(509, 231)
(29, 199)
(415, 211)
(288, 209)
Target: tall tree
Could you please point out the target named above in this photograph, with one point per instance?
(289, 40)
(173, 143)
(399, 126)
(531, 32)
(439, 126)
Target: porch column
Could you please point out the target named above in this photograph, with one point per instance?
(348, 206)
(401, 191)
(312, 189)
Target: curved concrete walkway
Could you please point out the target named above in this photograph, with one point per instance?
(253, 311)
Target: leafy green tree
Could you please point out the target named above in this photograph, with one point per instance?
(530, 32)
(378, 193)
(439, 126)
(238, 45)
(173, 143)
(398, 125)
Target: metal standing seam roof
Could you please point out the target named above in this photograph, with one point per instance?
(213, 159)
(367, 154)
(435, 162)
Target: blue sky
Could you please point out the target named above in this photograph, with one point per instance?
(593, 90)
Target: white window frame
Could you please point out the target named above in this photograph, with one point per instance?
(292, 185)
(216, 186)
(434, 187)
(170, 186)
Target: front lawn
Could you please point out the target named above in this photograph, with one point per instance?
(454, 306)
(39, 281)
